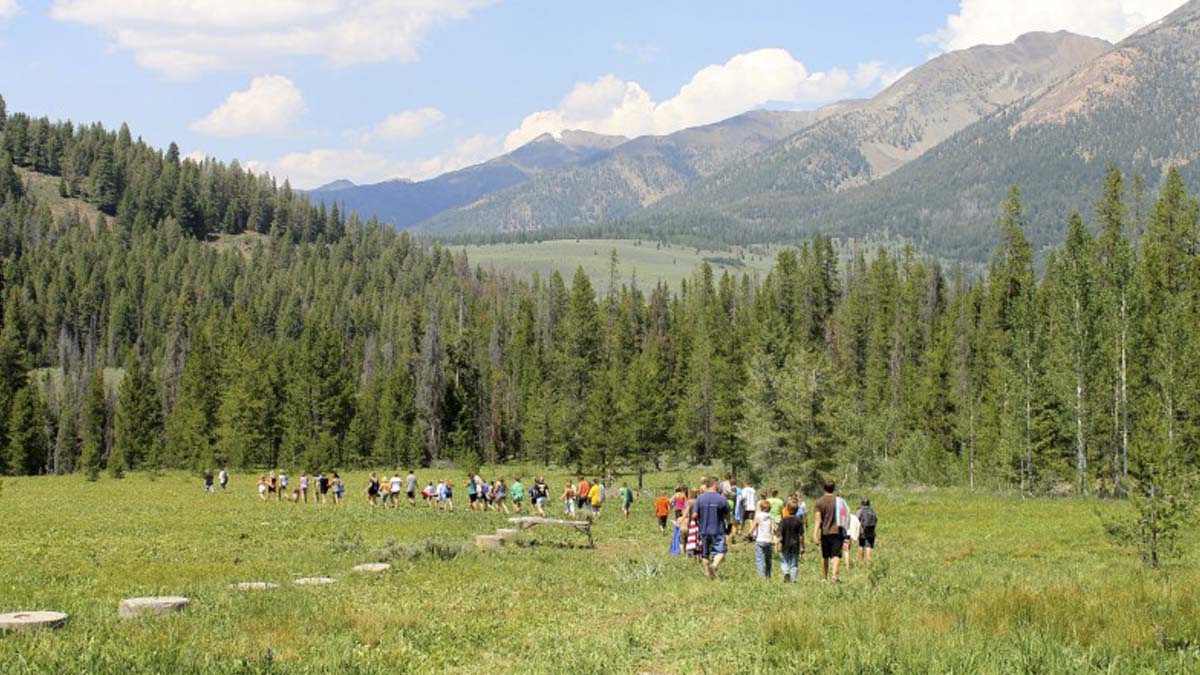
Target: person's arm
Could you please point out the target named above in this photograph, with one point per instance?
(816, 528)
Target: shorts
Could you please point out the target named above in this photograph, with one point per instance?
(473, 497)
(831, 546)
(712, 545)
(748, 516)
(867, 538)
(662, 521)
(412, 494)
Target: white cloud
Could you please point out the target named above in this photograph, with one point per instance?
(197, 156)
(307, 170)
(1002, 21)
(611, 105)
(9, 9)
(182, 38)
(401, 126)
(269, 106)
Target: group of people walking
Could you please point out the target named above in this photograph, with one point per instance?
(320, 487)
(708, 519)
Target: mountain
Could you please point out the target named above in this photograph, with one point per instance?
(834, 148)
(630, 176)
(1133, 106)
(861, 141)
(403, 202)
(341, 184)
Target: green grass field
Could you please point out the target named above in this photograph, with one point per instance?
(651, 263)
(962, 583)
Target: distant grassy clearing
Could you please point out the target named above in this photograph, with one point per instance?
(649, 261)
(963, 583)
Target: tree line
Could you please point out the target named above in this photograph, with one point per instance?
(136, 342)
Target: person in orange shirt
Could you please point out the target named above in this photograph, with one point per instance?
(662, 509)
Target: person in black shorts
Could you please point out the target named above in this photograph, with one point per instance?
(866, 537)
(373, 489)
(828, 533)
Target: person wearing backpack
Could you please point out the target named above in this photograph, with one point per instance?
(868, 519)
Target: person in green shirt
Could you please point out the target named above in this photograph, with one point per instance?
(626, 499)
(776, 505)
(517, 492)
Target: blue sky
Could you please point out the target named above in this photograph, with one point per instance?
(375, 89)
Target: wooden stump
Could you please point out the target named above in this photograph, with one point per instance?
(254, 586)
(487, 542)
(371, 567)
(314, 581)
(32, 620)
(153, 605)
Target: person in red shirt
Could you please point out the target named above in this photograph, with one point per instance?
(662, 509)
(581, 495)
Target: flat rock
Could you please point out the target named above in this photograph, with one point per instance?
(32, 620)
(487, 542)
(254, 586)
(508, 534)
(152, 605)
(314, 581)
(371, 567)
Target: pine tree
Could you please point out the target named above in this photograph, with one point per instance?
(93, 428)
(28, 443)
(105, 180)
(137, 439)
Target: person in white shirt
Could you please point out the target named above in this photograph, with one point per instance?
(283, 484)
(224, 478)
(394, 487)
(440, 494)
(749, 504)
(852, 533)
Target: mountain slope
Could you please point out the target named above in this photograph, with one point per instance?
(1134, 106)
(403, 203)
(869, 139)
(627, 178)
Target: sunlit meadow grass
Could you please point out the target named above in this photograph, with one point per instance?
(962, 583)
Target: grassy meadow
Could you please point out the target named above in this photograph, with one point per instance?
(670, 263)
(962, 583)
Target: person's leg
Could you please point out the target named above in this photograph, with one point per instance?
(760, 560)
(846, 552)
(770, 556)
(833, 568)
(824, 568)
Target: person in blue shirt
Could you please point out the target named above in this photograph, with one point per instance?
(712, 511)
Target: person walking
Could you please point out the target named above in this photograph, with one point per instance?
(373, 489)
(626, 499)
(868, 519)
(410, 486)
(395, 485)
(223, 478)
(339, 489)
(763, 533)
(568, 498)
(828, 532)
(749, 505)
(283, 485)
(853, 530)
(262, 488)
(712, 512)
(304, 487)
(662, 509)
(516, 492)
(791, 541)
(543, 494)
(208, 481)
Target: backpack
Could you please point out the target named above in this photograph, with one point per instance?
(843, 514)
(868, 517)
